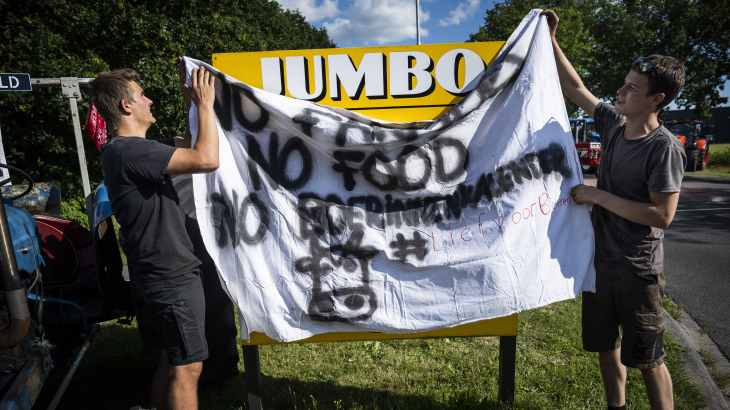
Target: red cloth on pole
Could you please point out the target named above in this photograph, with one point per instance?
(95, 127)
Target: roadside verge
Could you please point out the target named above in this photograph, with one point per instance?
(695, 369)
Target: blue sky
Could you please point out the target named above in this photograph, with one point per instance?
(364, 23)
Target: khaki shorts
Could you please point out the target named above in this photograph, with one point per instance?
(626, 312)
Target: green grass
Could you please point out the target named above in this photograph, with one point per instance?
(718, 148)
(553, 372)
(674, 308)
(722, 379)
(718, 164)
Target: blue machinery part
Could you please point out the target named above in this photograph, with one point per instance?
(102, 209)
(14, 336)
(23, 229)
(29, 381)
(44, 198)
(63, 302)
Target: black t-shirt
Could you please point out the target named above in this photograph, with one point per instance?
(145, 203)
(631, 169)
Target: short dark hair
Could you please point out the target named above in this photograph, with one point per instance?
(108, 89)
(667, 77)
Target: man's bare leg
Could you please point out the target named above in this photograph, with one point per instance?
(184, 386)
(659, 388)
(161, 384)
(614, 377)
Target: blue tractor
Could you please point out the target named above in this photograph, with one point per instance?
(58, 280)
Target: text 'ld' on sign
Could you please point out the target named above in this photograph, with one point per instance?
(399, 83)
(15, 82)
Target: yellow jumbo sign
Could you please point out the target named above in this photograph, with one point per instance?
(398, 84)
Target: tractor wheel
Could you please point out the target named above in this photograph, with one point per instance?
(693, 160)
(703, 157)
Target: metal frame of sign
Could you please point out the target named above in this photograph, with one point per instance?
(398, 84)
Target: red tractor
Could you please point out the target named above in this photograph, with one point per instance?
(587, 143)
(693, 134)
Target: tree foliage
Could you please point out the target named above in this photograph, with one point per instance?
(573, 31)
(81, 38)
(602, 37)
(695, 31)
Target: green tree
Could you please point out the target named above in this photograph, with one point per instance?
(602, 37)
(697, 32)
(573, 33)
(55, 38)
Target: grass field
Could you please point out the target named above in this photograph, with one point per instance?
(718, 164)
(553, 372)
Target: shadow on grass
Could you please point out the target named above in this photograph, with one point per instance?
(113, 375)
(553, 372)
(286, 393)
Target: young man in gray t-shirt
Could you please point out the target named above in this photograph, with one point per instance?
(638, 188)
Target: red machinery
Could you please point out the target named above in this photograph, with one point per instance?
(587, 143)
(696, 141)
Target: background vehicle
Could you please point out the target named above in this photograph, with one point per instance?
(696, 140)
(587, 143)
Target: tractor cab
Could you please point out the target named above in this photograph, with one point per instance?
(584, 130)
(696, 140)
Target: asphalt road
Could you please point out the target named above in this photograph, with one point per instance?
(697, 266)
(692, 186)
(708, 182)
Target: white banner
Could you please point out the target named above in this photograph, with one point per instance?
(3, 171)
(322, 220)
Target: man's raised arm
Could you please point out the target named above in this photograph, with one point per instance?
(185, 140)
(203, 157)
(570, 82)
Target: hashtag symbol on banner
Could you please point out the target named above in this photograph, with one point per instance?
(405, 247)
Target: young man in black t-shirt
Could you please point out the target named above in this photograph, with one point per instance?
(641, 171)
(164, 271)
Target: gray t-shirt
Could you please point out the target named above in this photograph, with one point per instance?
(631, 169)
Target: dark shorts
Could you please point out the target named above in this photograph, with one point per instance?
(626, 312)
(178, 307)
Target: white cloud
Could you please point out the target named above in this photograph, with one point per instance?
(463, 11)
(377, 21)
(310, 10)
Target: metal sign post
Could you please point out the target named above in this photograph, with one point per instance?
(418, 25)
(70, 90)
